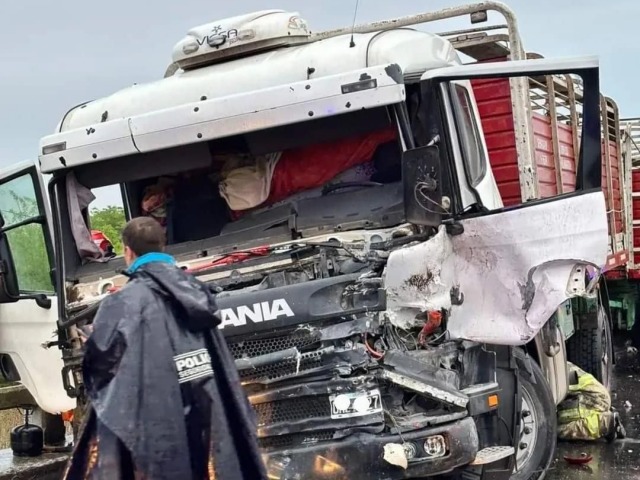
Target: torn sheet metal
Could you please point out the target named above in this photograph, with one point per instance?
(513, 269)
(413, 280)
(447, 396)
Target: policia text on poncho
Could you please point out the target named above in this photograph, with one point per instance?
(165, 397)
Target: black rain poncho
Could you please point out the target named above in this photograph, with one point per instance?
(165, 397)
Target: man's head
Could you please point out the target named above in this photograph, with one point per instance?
(140, 236)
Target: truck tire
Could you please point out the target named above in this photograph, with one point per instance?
(536, 445)
(591, 349)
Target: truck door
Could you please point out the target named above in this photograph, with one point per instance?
(28, 303)
(513, 266)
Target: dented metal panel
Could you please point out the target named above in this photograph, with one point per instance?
(511, 271)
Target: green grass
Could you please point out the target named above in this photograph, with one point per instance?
(8, 420)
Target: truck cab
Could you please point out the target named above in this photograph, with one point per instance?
(388, 315)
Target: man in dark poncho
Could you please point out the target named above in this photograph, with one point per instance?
(165, 398)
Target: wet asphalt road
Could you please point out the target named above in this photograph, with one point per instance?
(621, 459)
(616, 461)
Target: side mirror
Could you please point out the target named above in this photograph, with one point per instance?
(25, 243)
(9, 289)
(422, 186)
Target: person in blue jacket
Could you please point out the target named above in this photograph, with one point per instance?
(165, 400)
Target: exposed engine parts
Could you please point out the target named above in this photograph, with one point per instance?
(322, 357)
(321, 353)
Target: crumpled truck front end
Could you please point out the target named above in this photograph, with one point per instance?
(380, 359)
(340, 392)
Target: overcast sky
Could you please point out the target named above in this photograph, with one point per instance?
(59, 54)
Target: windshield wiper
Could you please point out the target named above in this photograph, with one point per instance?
(327, 189)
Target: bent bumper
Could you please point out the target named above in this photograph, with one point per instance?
(360, 456)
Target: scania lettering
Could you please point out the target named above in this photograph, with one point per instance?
(259, 312)
(406, 233)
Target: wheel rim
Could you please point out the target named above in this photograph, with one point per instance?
(528, 431)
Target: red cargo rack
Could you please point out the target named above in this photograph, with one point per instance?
(546, 127)
(631, 155)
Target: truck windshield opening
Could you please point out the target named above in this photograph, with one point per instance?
(245, 189)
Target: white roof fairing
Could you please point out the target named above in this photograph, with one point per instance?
(267, 90)
(410, 49)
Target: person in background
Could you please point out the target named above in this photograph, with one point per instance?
(587, 414)
(165, 400)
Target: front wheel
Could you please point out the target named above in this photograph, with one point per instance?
(536, 444)
(591, 348)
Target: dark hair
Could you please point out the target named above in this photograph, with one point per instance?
(143, 235)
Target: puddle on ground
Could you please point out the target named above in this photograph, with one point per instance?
(618, 460)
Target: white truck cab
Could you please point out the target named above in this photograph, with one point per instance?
(401, 274)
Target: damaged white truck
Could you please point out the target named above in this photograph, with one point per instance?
(389, 317)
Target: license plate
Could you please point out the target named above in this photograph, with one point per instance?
(357, 404)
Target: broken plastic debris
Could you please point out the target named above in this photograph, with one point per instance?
(298, 360)
(395, 455)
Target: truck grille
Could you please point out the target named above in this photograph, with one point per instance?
(253, 348)
(284, 369)
(292, 410)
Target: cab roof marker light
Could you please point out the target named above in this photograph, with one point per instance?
(53, 148)
(368, 84)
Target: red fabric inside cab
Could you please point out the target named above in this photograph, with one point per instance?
(313, 166)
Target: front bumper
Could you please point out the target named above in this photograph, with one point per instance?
(360, 456)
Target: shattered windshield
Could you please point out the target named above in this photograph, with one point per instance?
(234, 196)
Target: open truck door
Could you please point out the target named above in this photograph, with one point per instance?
(515, 265)
(28, 302)
(516, 249)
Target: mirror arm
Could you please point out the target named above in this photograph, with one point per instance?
(85, 314)
(41, 299)
(39, 219)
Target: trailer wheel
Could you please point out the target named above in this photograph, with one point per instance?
(591, 349)
(536, 444)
